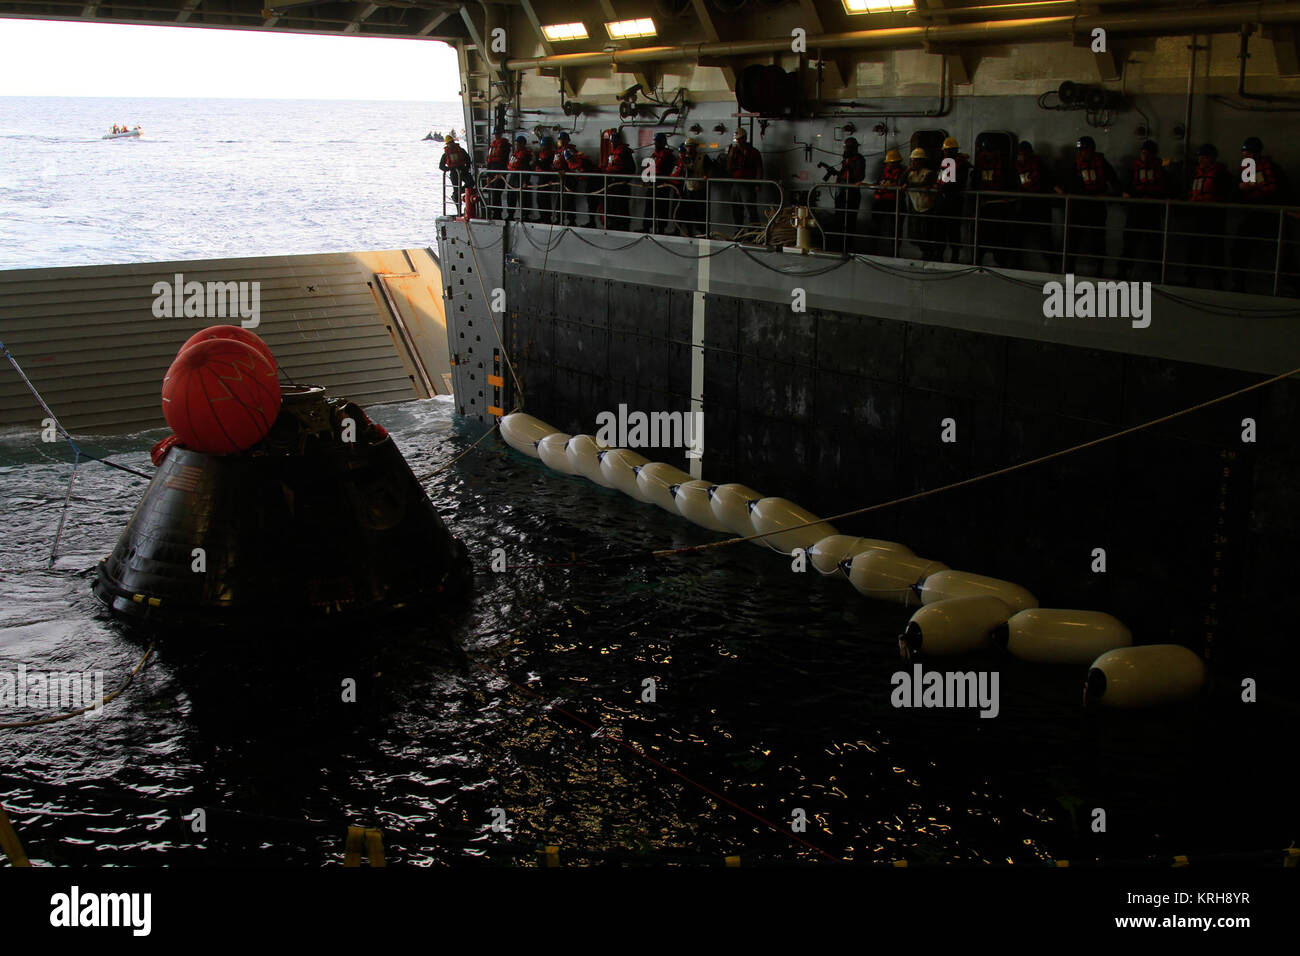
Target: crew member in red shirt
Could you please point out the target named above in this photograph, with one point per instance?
(563, 201)
(1093, 179)
(576, 164)
(884, 204)
(619, 162)
(1034, 211)
(544, 184)
(455, 165)
(498, 154)
(1254, 250)
(744, 162)
(1144, 222)
(1202, 224)
(520, 162)
(665, 161)
(994, 173)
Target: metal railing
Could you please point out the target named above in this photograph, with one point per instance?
(1244, 248)
(1233, 246)
(741, 209)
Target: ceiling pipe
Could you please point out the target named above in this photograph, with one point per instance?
(1001, 10)
(1243, 56)
(1206, 19)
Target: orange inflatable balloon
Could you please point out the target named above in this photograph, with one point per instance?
(236, 332)
(220, 396)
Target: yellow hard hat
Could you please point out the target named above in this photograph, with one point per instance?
(893, 156)
(951, 143)
(919, 153)
(449, 138)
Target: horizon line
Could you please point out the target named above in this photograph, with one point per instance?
(136, 96)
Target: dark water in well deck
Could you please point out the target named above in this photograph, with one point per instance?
(773, 690)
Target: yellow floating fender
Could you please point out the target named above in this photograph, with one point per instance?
(955, 626)
(523, 432)
(655, 480)
(950, 584)
(584, 455)
(1055, 636)
(891, 576)
(693, 502)
(1145, 676)
(731, 504)
(553, 450)
(779, 514)
(619, 468)
(833, 550)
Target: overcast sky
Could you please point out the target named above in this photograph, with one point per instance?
(48, 58)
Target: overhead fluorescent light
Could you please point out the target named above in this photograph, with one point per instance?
(565, 31)
(626, 29)
(878, 6)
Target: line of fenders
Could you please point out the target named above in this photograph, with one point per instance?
(959, 612)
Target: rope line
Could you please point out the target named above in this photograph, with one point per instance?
(107, 700)
(926, 493)
(67, 500)
(67, 436)
(908, 273)
(439, 470)
(992, 474)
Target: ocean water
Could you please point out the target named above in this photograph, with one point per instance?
(214, 178)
